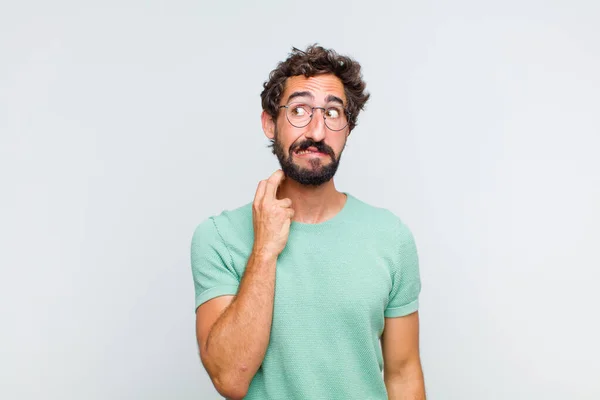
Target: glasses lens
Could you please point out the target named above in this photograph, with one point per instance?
(299, 114)
(335, 118)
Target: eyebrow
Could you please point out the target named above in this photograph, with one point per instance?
(329, 99)
(300, 94)
(334, 99)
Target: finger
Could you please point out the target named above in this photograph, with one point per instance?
(290, 212)
(273, 183)
(260, 191)
(285, 203)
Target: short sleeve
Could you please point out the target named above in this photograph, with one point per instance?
(212, 266)
(406, 281)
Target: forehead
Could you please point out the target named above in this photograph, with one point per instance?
(320, 86)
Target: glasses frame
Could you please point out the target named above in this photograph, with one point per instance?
(287, 106)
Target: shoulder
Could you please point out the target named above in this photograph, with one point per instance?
(223, 225)
(379, 218)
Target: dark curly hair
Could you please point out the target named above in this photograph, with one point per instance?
(316, 60)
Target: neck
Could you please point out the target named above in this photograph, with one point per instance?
(312, 205)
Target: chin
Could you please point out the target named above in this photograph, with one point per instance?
(313, 164)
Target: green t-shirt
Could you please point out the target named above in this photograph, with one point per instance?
(335, 283)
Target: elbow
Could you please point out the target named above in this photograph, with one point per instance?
(230, 387)
(232, 382)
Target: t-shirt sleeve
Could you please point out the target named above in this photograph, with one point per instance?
(212, 266)
(406, 281)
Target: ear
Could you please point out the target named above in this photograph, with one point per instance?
(268, 125)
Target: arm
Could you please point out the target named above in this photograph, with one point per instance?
(402, 370)
(233, 332)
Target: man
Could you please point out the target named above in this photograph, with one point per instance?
(307, 292)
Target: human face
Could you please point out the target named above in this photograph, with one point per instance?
(309, 155)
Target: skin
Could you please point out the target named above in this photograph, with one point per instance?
(311, 204)
(233, 331)
(402, 370)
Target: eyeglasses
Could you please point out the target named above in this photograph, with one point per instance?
(300, 115)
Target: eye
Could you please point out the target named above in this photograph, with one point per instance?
(333, 112)
(298, 110)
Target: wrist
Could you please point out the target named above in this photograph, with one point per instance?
(264, 255)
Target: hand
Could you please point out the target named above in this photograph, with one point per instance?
(271, 217)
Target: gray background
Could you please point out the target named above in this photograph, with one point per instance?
(124, 124)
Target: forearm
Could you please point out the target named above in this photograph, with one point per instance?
(238, 340)
(406, 384)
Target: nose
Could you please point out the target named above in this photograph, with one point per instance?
(316, 129)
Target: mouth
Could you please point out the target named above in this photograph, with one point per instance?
(311, 151)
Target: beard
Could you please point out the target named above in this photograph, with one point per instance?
(318, 174)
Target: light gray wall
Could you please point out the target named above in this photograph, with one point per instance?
(123, 124)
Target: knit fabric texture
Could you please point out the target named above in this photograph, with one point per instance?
(336, 282)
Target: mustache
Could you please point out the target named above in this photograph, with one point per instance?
(320, 146)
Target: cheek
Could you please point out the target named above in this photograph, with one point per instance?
(339, 144)
(287, 137)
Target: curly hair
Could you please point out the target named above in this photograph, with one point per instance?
(316, 60)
